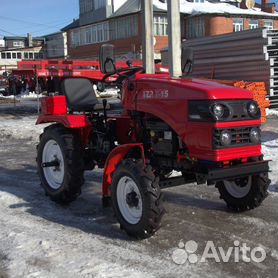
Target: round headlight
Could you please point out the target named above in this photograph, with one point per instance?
(225, 138)
(253, 109)
(218, 110)
(255, 135)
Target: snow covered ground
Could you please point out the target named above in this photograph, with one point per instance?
(109, 92)
(272, 113)
(41, 239)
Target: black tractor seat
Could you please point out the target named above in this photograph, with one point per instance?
(80, 95)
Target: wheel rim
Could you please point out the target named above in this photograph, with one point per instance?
(54, 175)
(238, 188)
(129, 200)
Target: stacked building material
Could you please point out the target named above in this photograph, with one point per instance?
(272, 51)
(259, 94)
(250, 55)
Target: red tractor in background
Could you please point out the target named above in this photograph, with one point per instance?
(208, 132)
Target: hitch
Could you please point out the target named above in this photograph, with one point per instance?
(54, 163)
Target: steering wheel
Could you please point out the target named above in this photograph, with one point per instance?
(118, 72)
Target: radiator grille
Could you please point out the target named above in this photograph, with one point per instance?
(240, 137)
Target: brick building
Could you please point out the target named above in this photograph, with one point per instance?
(17, 48)
(101, 21)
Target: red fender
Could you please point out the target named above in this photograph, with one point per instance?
(69, 121)
(79, 122)
(113, 160)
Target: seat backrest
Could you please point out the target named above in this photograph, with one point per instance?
(79, 93)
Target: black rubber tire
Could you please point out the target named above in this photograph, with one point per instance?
(253, 199)
(73, 164)
(152, 200)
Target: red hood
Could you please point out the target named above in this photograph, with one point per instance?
(195, 88)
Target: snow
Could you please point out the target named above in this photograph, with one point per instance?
(212, 8)
(23, 128)
(270, 151)
(26, 129)
(41, 239)
(109, 92)
(272, 112)
(24, 95)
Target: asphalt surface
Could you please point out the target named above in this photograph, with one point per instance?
(194, 212)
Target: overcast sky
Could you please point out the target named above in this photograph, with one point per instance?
(39, 17)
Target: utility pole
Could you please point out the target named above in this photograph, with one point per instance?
(174, 37)
(148, 51)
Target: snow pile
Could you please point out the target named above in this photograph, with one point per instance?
(270, 151)
(30, 95)
(272, 112)
(22, 128)
(24, 95)
(212, 8)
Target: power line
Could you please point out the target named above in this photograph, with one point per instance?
(27, 22)
(7, 32)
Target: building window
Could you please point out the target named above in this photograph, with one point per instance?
(125, 27)
(160, 23)
(14, 55)
(253, 24)
(92, 34)
(82, 36)
(106, 31)
(195, 27)
(99, 33)
(18, 44)
(19, 55)
(85, 6)
(238, 24)
(75, 38)
(9, 56)
(99, 4)
(31, 55)
(3, 55)
(88, 35)
(26, 55)
(268, 24)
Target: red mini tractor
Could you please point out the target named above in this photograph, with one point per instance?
(208, 132)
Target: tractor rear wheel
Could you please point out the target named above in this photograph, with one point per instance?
(137, 198)
(244, 193)
(60, 164)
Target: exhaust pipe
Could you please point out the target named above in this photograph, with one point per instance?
(148, 50)
(174, 38)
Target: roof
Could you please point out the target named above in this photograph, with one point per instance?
(72, 25)
(133, 6)
(217, 8)
(53, 34)
(22, 38)
(193, 9)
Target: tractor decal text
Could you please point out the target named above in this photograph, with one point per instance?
(158, 93)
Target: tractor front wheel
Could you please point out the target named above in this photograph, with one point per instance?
(244, 193)
(137, 198)
(60, 164)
